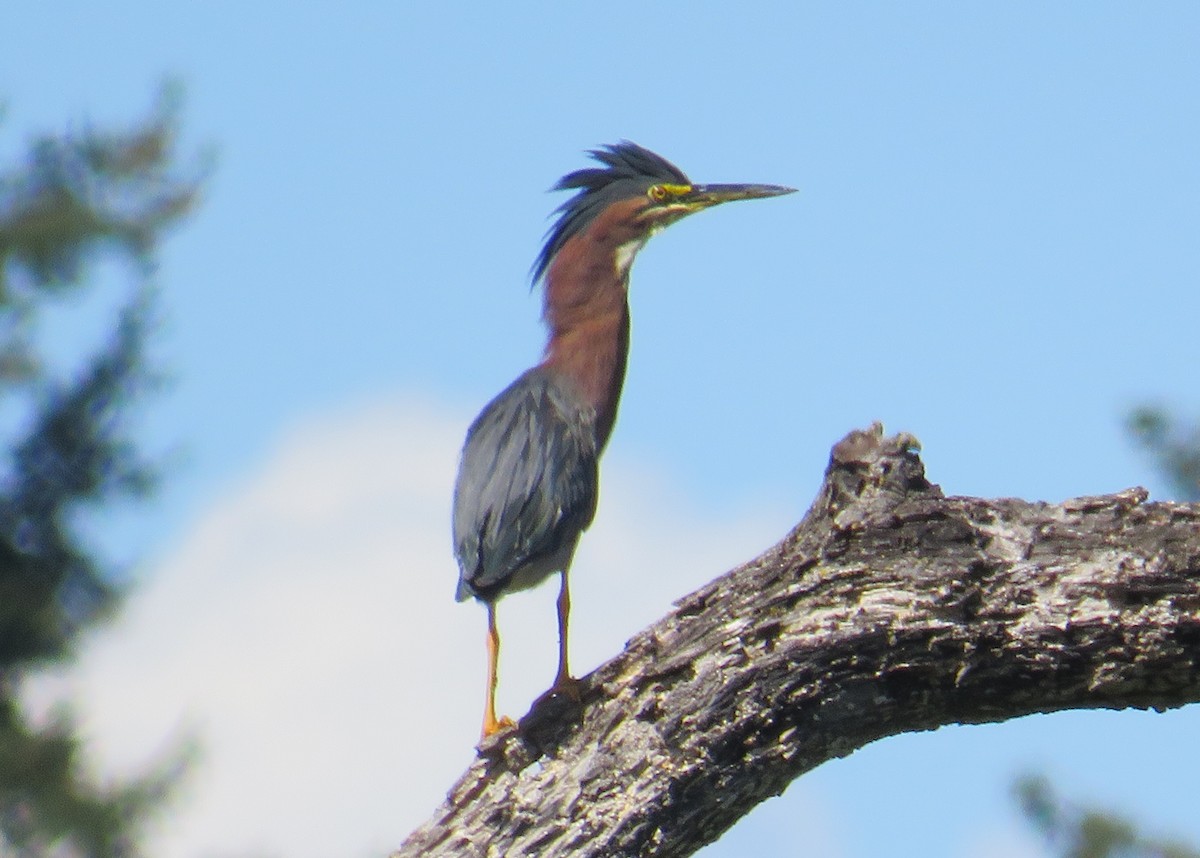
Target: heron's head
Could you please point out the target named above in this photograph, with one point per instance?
(634, 194)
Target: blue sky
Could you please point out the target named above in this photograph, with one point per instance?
(993, 247)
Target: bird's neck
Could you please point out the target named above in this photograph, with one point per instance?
(587, 311)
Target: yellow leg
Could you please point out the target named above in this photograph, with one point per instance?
(564, 683)
(490, 723)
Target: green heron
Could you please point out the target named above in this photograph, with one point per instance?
(528, 479)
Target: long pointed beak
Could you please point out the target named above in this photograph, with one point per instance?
(703, 196)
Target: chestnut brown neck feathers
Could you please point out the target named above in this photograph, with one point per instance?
(585, 269)
(587, 309)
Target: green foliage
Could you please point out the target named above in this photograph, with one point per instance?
(1073, 832)
(45, 802)
(75, 200)
(1174, 448)
(72, 455)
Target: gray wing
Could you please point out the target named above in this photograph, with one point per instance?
(527, 482)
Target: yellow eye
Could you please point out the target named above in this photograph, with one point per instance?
(657, 193)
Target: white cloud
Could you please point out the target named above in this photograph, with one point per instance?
(305, 628)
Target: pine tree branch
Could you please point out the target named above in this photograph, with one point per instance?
(889, 609)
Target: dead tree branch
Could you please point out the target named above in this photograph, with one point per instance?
(889, 609)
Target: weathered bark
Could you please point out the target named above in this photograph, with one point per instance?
(889, 609)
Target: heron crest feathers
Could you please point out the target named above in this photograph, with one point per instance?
(628, 170)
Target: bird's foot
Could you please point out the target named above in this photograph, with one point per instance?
(561, 701)
(493, 725)
(567, 686)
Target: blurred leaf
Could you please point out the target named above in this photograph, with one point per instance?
(1175, 449)
(77, 196)
(75, 200)
(1076, 832)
